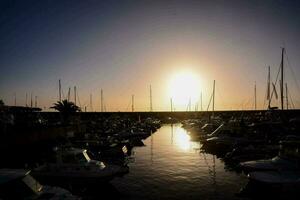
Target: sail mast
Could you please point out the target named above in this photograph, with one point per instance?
(91, 102)
(31, 100)
(201, 101)
(281, 83)
(151, 109)
(255, 96)
(287, 97)
(15, 99)
(75, 95)
(269, 89)
(59, 89)
(213, 106)
(69, 93)
(26, 100)
(102, 108)
(132, 103)
(35, 102)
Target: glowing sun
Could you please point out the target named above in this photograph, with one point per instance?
(184, 86)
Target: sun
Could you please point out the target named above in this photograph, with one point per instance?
(182, 139)
(183, 87)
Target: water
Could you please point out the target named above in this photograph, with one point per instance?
(170, 166)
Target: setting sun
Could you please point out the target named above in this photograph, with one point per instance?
(182, 139)
(184, 86)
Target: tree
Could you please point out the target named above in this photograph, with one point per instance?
(65, 107)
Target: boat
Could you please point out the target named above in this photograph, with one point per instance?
(286, 178)
(74, 166)
(287, 159)
(272, 184)
(19, 184)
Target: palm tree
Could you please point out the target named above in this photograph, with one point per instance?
(65, 107)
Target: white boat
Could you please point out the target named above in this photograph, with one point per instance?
(19, 184)
(74, 166)
(274, 164)
(272, 185)
(283, 178)
(287, 159)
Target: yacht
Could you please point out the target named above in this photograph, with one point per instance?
(19, 184)
(74, 166)
(287, 159)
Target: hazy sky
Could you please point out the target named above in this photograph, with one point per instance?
(124, 46)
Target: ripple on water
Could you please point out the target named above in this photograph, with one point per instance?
(171, 166)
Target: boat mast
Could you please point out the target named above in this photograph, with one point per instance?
(201, 101)
(255, 96)
(26, 100)
(151, 109)
(268, 89)
(59, 89)
(35, 101)
(287, 97)
(132, 103)
(69, 93)
(15, 99)
(171, 101)
(101, 100)
(213, 106)
(75, 95)
(281, 83)
(31, 100)
(91, 102)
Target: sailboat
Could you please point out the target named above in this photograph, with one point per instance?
(269, 84)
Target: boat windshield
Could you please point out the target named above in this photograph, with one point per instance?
(215, 132)
(33, 184)
(86, 156)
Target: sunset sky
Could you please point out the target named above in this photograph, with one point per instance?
(124, 46)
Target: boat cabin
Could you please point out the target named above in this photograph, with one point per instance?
(18, 184)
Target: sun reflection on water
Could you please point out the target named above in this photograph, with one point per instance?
(182, 139)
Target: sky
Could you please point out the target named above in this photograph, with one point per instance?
(124, 47)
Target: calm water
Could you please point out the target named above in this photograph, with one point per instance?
(171, 166)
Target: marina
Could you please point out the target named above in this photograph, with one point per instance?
(149, 100)
(148, 158)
